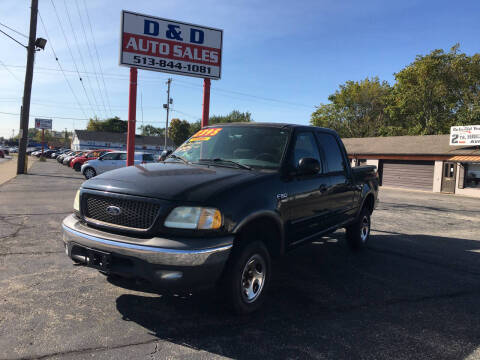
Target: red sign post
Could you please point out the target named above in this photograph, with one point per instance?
(206, 102)
(132, 116)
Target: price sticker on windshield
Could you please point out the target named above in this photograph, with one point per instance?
(205, 134)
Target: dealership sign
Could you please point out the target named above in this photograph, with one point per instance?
(158, 44)
(45, 124)
(465, 135)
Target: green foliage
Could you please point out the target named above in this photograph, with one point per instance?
(109, 125)
(149, 130)
(356, 109)
(195, 127)
(234, 116)
(179, 131)
(435, 92)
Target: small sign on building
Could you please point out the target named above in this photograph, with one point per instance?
(465, 135)
(45, 124)
(158, 44)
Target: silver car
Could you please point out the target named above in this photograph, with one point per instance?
(112, 160)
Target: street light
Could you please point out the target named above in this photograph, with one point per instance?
(40, 43)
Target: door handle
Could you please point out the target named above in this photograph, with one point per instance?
(323, 188)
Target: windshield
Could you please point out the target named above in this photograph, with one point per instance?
(253, 146)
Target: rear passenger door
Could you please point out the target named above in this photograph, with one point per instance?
(340, 189)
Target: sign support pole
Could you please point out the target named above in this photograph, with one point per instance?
(206, 102)
(132, 112)
(43, 140)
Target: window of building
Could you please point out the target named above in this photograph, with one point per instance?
(472, 175)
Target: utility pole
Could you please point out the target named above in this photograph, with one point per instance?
(167, 106)
(27, 90)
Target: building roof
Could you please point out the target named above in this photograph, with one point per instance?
(407, 145)
(113, 137)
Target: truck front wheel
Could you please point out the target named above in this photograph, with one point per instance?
(247, 277)
(359, 232)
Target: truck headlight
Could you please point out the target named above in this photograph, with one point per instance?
(186, 217)
(76, 202)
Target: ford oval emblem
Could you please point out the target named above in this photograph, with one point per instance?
(114, 210)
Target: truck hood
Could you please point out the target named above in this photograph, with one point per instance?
(171, 181)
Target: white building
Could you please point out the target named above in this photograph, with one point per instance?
(86, 140)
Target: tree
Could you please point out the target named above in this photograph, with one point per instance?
(437, 91)
(149, 130)
(179, 131)
(108, 125)
(357, 109)
(195, 127)
(234, 116)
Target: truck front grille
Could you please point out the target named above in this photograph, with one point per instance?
(132, 214)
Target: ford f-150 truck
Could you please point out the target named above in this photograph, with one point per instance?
(221, 207)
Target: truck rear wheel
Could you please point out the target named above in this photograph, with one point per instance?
(247, 277)
(359, 232)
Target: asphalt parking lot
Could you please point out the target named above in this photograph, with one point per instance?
(414, 294)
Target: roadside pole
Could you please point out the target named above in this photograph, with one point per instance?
(27, 91)
(132, 113)
(43, 140)
(169, 81)
(206, 102)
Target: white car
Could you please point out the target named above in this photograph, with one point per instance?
(112, 160)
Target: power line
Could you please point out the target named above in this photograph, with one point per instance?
(60, 66)
(96, 52)
(18, 42)
(15, 31)
(71, 54)
(82, 62)
(11, 73)
(89, 55)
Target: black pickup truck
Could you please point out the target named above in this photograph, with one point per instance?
(220, 207)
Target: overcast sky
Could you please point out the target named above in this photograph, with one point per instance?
(280, 58)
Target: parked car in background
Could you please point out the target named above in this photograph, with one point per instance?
(13, 149)
(113, 160)
(46, 153)
(5, 150)
(62, 156)
(2, 154)
(67, 159)
(77, 162)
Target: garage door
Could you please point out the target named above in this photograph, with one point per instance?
(408, 174)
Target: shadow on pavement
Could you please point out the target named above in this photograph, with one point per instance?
(326, 302)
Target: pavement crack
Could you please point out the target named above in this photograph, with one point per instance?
(32, 253)
(85, 351)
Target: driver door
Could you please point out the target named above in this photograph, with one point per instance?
(306, 203)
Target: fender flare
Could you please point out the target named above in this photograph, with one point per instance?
(271, 215)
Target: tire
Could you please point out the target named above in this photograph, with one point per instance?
(358, 233)
(77, 166)
(244, 294)
(89, 173)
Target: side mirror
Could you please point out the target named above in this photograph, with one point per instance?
(308, 166)
(164, 155)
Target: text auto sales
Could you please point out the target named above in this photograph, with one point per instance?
(171, 49)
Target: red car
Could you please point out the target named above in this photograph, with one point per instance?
(2, 154)
(77, 162)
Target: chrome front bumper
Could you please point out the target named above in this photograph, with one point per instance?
(155, 251)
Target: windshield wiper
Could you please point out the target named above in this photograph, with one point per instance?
(218, 160)
(173, 156)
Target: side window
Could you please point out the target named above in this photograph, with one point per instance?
(122, 156)
(110, 156)
(305, 147)
(331, 150)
